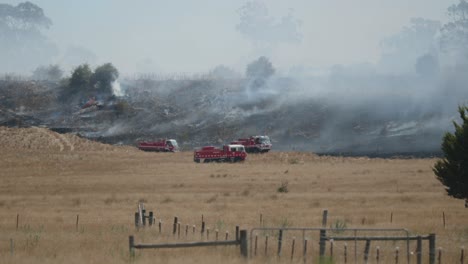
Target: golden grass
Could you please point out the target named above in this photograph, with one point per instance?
(49, 187)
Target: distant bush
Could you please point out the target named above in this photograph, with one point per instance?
(49, 73)
(284, 188)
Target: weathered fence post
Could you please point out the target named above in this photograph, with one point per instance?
(202, 231)
(255, 248)
(261, 219)
(150, 219)
(439, 257)
(160, 226)
(292, 248)
(366, 251)
(377, 256)
(237, 233)
(266, 244)
(243, 243)
(174, 228)
(77, 219)
(143, 216)
(304, 252)
(462, 256)
(227, 235)
(397, 253)
(443, 218)
(345, 253)
(323, 234)
(140, 214)
(17, 221)
(331, 249)
(432, 248)
(280, 241)
(186, 231)
(391, 217)
(419, 250)
(131, 243)
(136, 219)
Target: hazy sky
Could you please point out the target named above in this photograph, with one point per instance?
(195, 36)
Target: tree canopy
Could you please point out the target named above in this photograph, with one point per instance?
(452, 170)
(259, 71)
(21, 40)
(260, 68)
(86, 82)
(103, 77)
(454, 35)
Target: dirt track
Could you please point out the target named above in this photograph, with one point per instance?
(48, 179)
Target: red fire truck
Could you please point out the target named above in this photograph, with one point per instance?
(229, 153)
(162, 145)
(255, 144)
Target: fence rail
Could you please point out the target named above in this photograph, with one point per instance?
(242, 242)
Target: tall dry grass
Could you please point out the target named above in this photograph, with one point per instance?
(49, 188)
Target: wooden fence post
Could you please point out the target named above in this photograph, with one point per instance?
(77, 219)
(266, 244)
(131, 243)
(202, 231)
(366, 251)
(243, 243)
(150, 219)
(143, 216)
(391, 217)
(160, 226)
(323, 234)
(17, 221)
(462, 256)
(137, 217)
(331, 249)
(227, 235)
(292, 248)
(397, 253)
(443, 217)
(432, 248)
(439, 257)
(261, 219)
(377, 256)
(174, 228)
(237, 233)
(345, 253)
(255, 248)
(304, 252)
(280, 241)
(186, 231)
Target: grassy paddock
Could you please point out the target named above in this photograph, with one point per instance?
(49, 188)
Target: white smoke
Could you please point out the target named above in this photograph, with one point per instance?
(116, 89)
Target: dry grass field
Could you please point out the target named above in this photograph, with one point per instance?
(48, 179)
